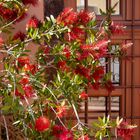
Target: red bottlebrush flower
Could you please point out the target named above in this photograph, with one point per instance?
(30, 68)
(33, 68)
(46, 50)
(28, 89)
(76, 34)
(98, 73)
(30, 126)
(83, 95)
(83, 71)
(67, 17)
(101, 44)
(19, 35)
(125, 131)
(26, 67)
(87, 47)
(100, 49)
(32, 2)
(84, 138)
(96, 85)
(81, 56)
(66, 135)
(57, 130)
(42, 124)
(23, 61)
(84, 17)
(67, 52)
(8, 14)
(24, 81)
(1, 41)
(11, 14)
(63, 65)
(117, 28)
(61, 111)
(62, 133)
(96, 76)
(33, 23)
(109, 86)
(125, 46)
(27, 92)
(18, 94)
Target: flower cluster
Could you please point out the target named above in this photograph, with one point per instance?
(62, 133)
(76, 21)
(45, 94)
(125, 130)
(33, 23)
(7, 13)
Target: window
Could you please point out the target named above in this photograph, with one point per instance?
(99, 106)
(117, 8)
(96, 5)
(54, 7)
(114, 67)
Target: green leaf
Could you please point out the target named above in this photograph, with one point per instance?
(16, 122)
(6, 108)
(102, 12)
(58, 77)
(52, 19)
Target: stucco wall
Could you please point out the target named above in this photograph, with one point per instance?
(38, 11)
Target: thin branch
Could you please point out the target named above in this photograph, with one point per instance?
(10, 23)
(5, 124)
(58, 118)
(30, 109)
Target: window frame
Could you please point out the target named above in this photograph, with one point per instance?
(121, 16)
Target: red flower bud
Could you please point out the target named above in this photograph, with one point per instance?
(33, 23)
(24, 81)
(61, 111)
(23, 61)
(116, 28)
(19, 35)
(125, 130)
(42, 124)
(84, 16)
(67, 52)
(67, 17)
(83, 95)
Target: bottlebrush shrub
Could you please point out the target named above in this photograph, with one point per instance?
(41, 93)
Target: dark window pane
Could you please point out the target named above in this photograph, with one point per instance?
(53, 7)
